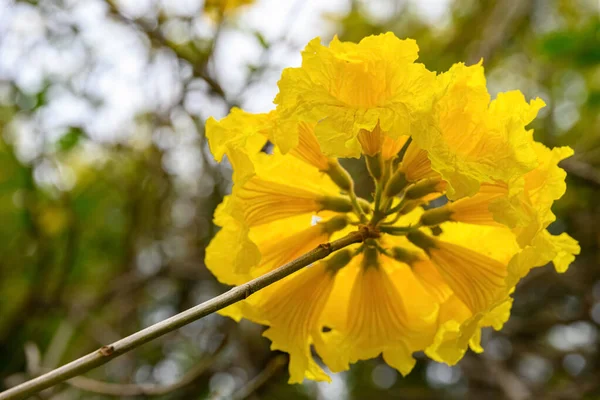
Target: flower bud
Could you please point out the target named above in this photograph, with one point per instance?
(365, 205)
(339, 175)
(421, 240)
(334, 224)
(396, 184)
(335, 203)
(375, 166)
(436, 216)
(405, 256)
(339, 260)
(422, 188)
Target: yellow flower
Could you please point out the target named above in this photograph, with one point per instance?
(527, 204)
(349, 89)
(292, 308)
(471, 140)
(386, 311)
(472, 287)
(416, 165)
(254, 217)
(239, 130)
(376, 141)
(241, 133)
(524, 204)
(462, 200)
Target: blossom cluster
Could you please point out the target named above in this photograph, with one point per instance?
(462, 202)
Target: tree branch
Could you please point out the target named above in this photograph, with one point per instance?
(238, 293)
(132, 389)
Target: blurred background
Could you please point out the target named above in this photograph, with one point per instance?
(107, 188)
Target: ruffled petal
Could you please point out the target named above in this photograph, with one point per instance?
(527, 205)
(281, 247)
(231, 253)
(477, 278)
(473, 141)
(545, 248)
(265, 201)
(378, 142)
(457, 326)
(238, 130)
(476, 209)
(347, 88)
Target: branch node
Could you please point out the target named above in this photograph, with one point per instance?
(106, 350)
(326, 247)
(247, 291)
(368, 232)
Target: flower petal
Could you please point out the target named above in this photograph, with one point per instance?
(347, 87)
(473, 141)
(397, 322)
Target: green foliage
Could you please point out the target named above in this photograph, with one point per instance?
(579, 46)
(70, 139)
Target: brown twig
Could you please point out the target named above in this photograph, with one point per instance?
(234, 295)
(124, 390)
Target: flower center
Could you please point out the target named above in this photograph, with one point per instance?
(401, 186)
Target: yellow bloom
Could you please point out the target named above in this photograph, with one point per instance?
(292, 308)
(257, 216)
(472, 287)
(376, 141)
(416, 165)
(308, 149)
(527, 205)
(231, 264)
(460, 212)
(239, 130)
(241, 133)
(472, 141)
(524, 205)
(396, 322)
(477, 280)
(348, 88)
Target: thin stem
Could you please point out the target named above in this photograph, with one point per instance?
(382, 203)
(127, 390)
(397, 208)
(399, 230)
(378, 213)
(357, 208)
(238, 293)
(387, 204)
(358, 250)
(378, 193)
